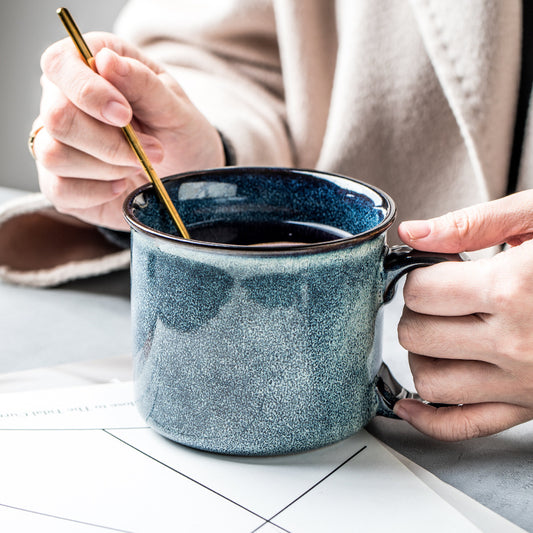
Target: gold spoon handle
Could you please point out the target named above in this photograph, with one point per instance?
(129, 133)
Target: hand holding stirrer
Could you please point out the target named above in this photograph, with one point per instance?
(128, 131)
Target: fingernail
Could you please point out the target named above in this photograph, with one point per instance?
(400, 411)
(118, 186)
(417, 229)
(116, 113)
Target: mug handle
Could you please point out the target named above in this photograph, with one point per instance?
(400, 260)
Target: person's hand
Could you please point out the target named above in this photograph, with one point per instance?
(85, 165)
(468, 326)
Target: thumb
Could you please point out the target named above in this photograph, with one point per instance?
(461, 422)
(509, 219)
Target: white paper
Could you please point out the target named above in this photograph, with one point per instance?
(82, 459)
(89, 407)
(89, 372)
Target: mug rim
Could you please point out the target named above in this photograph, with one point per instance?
(314, 247)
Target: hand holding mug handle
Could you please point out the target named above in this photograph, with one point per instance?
(467, 325)
(399, 261)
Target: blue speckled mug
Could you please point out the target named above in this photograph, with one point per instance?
(244, 344)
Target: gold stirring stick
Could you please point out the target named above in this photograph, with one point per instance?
(128, 131)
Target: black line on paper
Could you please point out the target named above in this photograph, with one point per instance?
(310, 489)
(272, 524)
(63, 518)
(185, 475)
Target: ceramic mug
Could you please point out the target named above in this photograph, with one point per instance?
(262, 334)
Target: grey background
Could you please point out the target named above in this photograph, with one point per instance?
(27, 27)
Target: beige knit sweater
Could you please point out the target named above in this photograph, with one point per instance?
(415, 96)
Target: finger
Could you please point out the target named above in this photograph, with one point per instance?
(68, 194)
(146, 90)
(109, 214)
(63, 65)
(461, 422)
(62, 160)
(462, 337)
(461, 382)
(66, 123)
(509, 219)
(450, 289)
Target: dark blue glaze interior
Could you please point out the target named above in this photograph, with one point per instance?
(297, 196)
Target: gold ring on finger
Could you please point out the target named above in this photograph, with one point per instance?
(31, 141)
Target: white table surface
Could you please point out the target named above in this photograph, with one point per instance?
(89, 320)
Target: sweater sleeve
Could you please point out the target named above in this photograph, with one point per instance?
(225, 56)
(40, 247)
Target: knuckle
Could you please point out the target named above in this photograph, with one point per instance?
(515, 340)
(468, 428)
(428, 386)
(84, 89)
(406, 335)
(60, 193)
(453, 424)
(420, 334)
(58, 119)
(497, 345)
(51, 155)
(506, 293)
(516, 347)
(412, 290)
(461, 223)
(113, 150)
(436, 383)
(53, 188)
(51, 59)
(442, 381)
